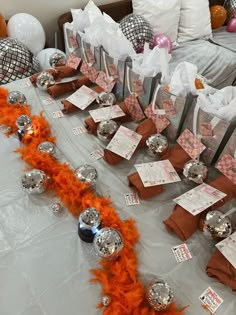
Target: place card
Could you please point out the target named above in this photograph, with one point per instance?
(181, 253)
(132, 199)
(191, 144)
(227, 166)
(199, 198)
(107, 112)
(73, 61)
(79, 130)
(83, 97)
(25, 84)
(97, 154)
(58, 114)
(228, 248)
(105, 82)
(48, 101)
(125, 142)
(157, 173)
(134, 108)
(211, 299)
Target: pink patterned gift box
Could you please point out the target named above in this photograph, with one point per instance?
(227, 166)
(104, 82)
(90, 72)
(160, 121)
(134, 108)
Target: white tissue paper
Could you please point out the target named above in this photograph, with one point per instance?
(151, 62)
(221, 103)
(183, 78)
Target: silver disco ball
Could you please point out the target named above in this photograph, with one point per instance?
(89, 224)
(107, 129)
(44, 80)
(57, 59)
(195, 171)
(24, 123)
(16, 97)
(159, 295)
(16, 61)
(106, 99)
(47, 147)
(157, 144)
(34, 181)
(86, 173)
(215, 226)
(108, 243)
(137, 30)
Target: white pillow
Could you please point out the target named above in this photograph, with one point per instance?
(195, 20)
(163, 15)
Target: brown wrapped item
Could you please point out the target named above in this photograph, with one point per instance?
(136, 184)
(145, 129)
(70, 108)
(177, 157)
(220, 269)
(185, 224)
(57, 73)
(63, 88)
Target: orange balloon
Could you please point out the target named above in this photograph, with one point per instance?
(218, 16)
(198, 84)
(3, 26)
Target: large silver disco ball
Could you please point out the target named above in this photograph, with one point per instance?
(108, 243)
(137, 30)
(34, 181)
(16, 61)
(159, 295)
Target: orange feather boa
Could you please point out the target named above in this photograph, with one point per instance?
(119, 278)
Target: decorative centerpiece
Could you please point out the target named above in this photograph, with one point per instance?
(89, 224)
(159, 295)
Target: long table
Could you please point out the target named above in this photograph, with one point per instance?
(44, 266)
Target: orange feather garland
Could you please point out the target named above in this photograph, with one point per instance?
(119, 278)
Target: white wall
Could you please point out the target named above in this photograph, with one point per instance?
(46, 11)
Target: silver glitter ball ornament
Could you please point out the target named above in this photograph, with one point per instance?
(47, 147)
(44, 80)
(106, 300)
(214, 225)
(107, 129)
(195, 171)
(137, 30)
(89, 224)
(157, 144)
(57, 59)
(159, 295)
(57, 209)
(86, 173)
(24, 122)
(16, 97)
(34, 181)
(108, 243)
(106, 99)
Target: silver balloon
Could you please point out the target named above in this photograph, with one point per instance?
(16, 61)
(159, 295)
(24, 123)
(195, 171)
(157, 144)
(57, 209)
(44, 80)
(106, 300)
(137, 30)
(108, 243)
(15, 97)
(214, 225)
(34, 181)
(57, 59)
(86, 173)
(106, 99)
(47, 147)
(89, 224)
(107, 129)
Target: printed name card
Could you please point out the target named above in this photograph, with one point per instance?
(227, 166)
(106, 113)
(191, 144)
(83, 97)
(211, 299)
(157, 173)
(199, 198)
(228, 248)
(181, 253)
(125, 142)
(132, 199)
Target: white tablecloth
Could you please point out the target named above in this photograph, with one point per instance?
(44, 266)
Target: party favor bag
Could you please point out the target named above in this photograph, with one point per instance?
(71, 44)
(89, 53)
(229, 148)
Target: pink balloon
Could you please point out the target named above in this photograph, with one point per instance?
(162, 41)
(231, 26)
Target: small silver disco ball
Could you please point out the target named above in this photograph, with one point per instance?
(195, 171)
(34, 181)
(47, 147)
(106, 99)
(86, 173)
(24, 123)
(157, 145)
(44, 80)
(107, 129)
(16, 97)
(57, 59)
(89, 224)
(159, 295)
